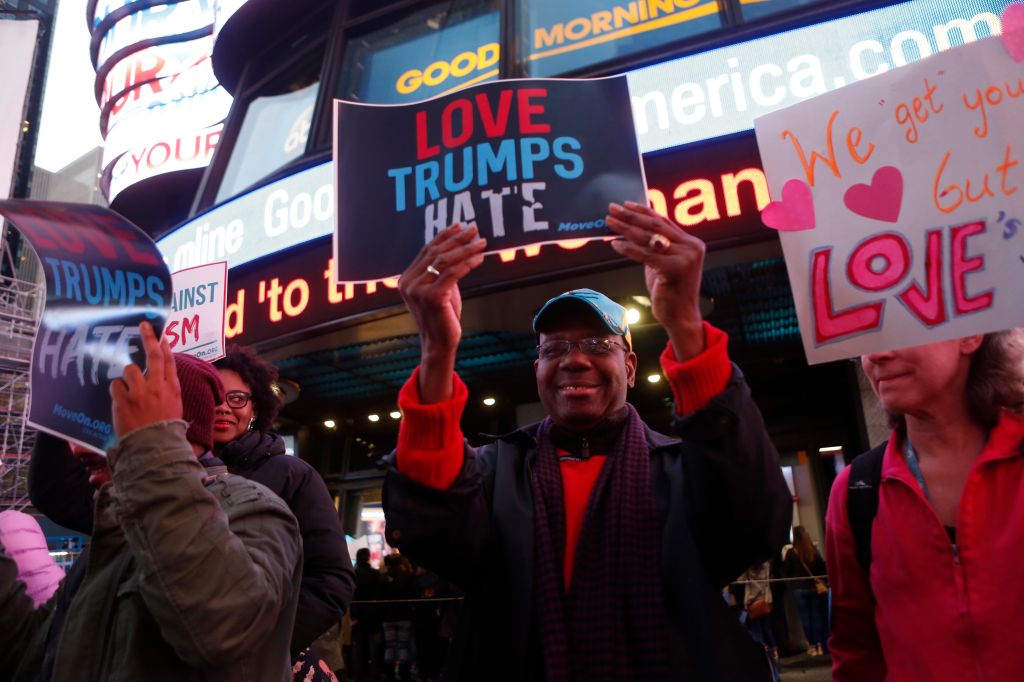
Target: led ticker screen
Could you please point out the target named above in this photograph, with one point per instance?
(126, 81)
(722, 91)
(175, 104)
(558, 37)
(267, 220)
(276, 239)
(714, 190)
(297, 291)
(101, 9)
(162, 107)
(155, 22)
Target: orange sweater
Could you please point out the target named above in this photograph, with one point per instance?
(430, 443)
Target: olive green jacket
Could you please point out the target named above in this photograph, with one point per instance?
(190, 576)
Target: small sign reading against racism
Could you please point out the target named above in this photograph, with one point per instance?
(103, 277)
(196, 324)
(528, 161)
(900, 201)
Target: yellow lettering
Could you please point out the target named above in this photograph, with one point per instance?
(730, 187)
(625, 15)
(543, 38)
(658, 201)
(695, 194)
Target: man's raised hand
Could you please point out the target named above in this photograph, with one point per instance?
(673, 265)
(430, 289)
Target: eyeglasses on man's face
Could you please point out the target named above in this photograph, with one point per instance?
(557, 349)
(237, 399)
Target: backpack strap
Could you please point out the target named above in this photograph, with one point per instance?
(862, 500)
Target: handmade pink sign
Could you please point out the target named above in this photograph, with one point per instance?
(899, 200)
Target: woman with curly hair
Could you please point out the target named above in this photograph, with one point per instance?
(243, 438)
(938, 595)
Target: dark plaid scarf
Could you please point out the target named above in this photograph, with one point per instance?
(612, 623)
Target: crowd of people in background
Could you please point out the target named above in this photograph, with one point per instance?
(402, 621)
(784, 601)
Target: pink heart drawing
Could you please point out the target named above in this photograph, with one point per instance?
(1013, 30)
(794, 212)
(881, 200)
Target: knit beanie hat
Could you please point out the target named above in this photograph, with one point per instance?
(201, 392)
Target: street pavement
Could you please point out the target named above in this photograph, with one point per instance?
(804, 668)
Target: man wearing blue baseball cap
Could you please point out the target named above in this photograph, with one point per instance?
(590, 547)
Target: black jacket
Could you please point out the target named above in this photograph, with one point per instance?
(369, 588)
(724, 503)
(59, 488)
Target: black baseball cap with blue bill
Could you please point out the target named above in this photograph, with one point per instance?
(610, 313)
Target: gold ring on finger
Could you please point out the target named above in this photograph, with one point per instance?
(658, 242)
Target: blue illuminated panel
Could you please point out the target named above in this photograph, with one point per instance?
(451, 57)
(722, 91)
(755, 9)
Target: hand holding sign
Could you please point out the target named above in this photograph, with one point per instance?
(673, 263)
(430, 289)
(143, 399)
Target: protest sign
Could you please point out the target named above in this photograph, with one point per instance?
(528, 161)
(899, 203)
(196, 324)
(103, 277)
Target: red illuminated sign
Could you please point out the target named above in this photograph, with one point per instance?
(715, 191)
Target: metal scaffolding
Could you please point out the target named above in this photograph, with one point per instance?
(22, 295)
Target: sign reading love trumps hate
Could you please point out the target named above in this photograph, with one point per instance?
(528, 161)
(103, 277)
(899, 202)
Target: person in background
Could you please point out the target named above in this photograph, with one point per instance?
(367, 635)
(400, 654)
(243, 438)
(936, 592)
(758, 603)
(804, 562)
(553, 529)
(192, 573)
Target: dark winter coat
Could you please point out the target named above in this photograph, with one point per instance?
(190, 576)
(724, 506)
(328, 580)
(59, 488)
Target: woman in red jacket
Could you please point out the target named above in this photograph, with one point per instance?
(940, 597)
